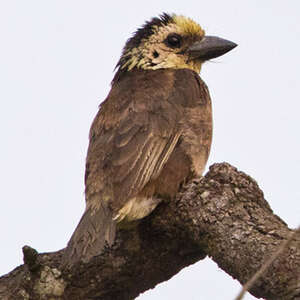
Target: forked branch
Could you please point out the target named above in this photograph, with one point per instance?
(223, 215)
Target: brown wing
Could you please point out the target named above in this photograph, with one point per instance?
(131, 139)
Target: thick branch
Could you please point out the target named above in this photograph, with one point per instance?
(224, 215)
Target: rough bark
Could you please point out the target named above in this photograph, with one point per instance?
(224, 215)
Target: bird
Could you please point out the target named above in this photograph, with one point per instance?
(151, 134)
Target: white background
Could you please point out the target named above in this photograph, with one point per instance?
(56, 63)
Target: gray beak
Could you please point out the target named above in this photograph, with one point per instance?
(210, 47)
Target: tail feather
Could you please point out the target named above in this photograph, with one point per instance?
(95, 229)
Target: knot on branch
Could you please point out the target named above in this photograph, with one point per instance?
(31, 259)
(42, 281)
(244, 187)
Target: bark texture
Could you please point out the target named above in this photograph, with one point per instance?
(224, 215)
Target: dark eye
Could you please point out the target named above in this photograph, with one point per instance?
(173, 40)
(155, 54)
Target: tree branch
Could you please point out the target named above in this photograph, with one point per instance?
(224, 215)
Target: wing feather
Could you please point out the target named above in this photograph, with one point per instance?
(131, 139)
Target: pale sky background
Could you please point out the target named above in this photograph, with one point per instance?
(56, 63)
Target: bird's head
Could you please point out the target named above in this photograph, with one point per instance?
(170, 41)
